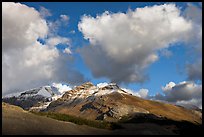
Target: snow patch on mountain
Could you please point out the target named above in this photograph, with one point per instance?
(101, 85)
(44, 91)
(99, 90)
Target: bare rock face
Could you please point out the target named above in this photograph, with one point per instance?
(110, 86)
(110, 103)
(84, 86)
(102, 102)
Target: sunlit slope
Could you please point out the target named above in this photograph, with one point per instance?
(112, 107)
(17, 121)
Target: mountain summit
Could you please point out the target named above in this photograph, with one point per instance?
(105, 101)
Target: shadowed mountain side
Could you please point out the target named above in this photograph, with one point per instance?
(176, 127)
(24, 103)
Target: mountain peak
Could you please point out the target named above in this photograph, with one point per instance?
(88, 83)
(105, 101)
(84, 86)
(110, 86)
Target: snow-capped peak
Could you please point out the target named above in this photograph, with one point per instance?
(101, 85)
(108, 86)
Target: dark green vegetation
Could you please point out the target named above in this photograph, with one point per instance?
(79, 121)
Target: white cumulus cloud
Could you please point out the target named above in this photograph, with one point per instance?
(55, 25)
(186, 92)
(26, 63)
(168, 86)
(64, 18)
(53, 41)
(143, 93)
(67, 50)
(44, 12)
(61, 87)
(194, 68)
(123, 45)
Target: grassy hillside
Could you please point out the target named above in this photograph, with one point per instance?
(17, 121)
(165, 110)
(78, 120)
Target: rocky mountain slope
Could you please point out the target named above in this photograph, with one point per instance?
(110, 103)
(16, 121)
(106, 102)
(37, 98)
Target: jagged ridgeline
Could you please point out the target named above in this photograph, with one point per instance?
(105, 102)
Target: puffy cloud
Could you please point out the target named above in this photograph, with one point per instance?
(27, 63)
(53, 41)
(67, 50)
(168, 86)
(191, 103)
(44, 12)
(61, 87)
(194, 68)
(54, 26)
(64, 18)
(19, 26)
(124, 44)
(186, 92)
(165, 52)
(143, 93)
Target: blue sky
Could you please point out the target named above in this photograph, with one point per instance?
(161, 72)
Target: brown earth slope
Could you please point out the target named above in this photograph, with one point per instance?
(109, 103)
(114, 106)
(16, 121)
